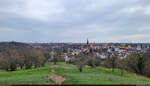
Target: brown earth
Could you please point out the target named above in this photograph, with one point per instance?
(56, 78)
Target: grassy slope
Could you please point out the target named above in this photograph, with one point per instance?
(35, 75)
(98, 75)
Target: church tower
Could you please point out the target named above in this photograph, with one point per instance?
(87, 43)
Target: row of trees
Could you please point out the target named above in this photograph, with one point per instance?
(11, 59)
(85, 59)
(135, 62)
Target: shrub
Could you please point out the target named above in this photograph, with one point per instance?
(93, 60)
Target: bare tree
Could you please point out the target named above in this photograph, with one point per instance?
(113, 60)
(80, 61)
(93, 60)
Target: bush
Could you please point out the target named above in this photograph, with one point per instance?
(93, 60)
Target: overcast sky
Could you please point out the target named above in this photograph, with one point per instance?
(75, 20)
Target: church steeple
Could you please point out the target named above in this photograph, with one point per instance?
(88, 45)
(87, 41)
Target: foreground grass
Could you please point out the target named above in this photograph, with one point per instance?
(98, 75)
(30, 76)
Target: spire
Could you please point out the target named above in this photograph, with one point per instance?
(87, 41)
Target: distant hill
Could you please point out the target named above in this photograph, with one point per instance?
(13, 45)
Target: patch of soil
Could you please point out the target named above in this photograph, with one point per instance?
(62, 67)
(56, 78)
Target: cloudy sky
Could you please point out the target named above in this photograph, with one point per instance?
(75, 20)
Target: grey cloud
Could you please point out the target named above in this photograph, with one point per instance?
(64, 20)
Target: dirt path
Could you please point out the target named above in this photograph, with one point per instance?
(56, 78)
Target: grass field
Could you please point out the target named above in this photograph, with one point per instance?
(98, 75)
(31, 76)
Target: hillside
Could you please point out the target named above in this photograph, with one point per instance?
(13, 45)
(98, 75)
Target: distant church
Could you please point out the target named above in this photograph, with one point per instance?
(90, 48)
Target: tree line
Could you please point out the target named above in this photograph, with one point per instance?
(138, 63)
(13, 57)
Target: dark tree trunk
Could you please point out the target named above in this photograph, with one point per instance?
(55, 60)
(21, 66)
(43, 65)
(7, 69)
(13, 67)
(35, 66)
(80, 68)
(28, 66)
(122, 72)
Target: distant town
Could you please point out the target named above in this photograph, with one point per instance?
(102, 50)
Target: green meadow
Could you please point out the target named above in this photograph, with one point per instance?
(97, 75)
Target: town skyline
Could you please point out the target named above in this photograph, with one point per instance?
(83, 41)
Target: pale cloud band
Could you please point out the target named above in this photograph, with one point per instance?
(75, 20)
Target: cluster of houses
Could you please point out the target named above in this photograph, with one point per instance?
(103, 51)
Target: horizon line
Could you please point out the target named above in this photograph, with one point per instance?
(76, 42)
